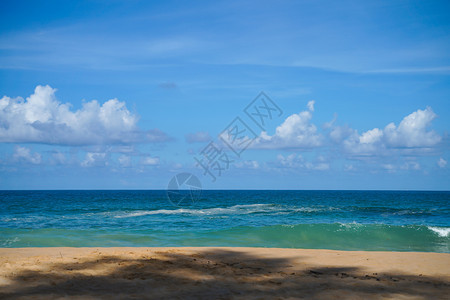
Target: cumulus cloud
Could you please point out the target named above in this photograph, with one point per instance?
(23, 154)
(198, 137)
(371, 136)
(339, 133)
(412, 136)
(368, 143)
(412, 132)
(296, 131)
(41, 118)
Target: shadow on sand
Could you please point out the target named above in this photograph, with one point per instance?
(210, 274)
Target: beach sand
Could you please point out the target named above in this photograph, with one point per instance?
(221, 273)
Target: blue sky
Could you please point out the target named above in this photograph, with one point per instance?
(125, 95)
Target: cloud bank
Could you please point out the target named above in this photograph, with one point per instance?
(298, 132)
(41, 118)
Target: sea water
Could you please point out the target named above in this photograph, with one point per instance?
(341, 220)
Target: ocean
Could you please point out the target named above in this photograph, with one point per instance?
(340, 220)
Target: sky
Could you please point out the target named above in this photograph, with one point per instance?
(242, 94)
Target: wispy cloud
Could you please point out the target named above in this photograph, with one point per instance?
(304, 36)
(443, 69)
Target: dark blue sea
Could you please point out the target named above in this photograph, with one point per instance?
(341, 220)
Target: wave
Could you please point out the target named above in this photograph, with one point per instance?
(441, 231)
(236, 209)
(346, 236)
(281, 209)
(393, 210)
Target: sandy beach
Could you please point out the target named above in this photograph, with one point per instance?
(221, 273)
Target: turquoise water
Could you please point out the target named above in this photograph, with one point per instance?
(341, 220)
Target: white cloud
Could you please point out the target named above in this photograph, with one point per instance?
(198, 137)
(294, 161)
(410, 138)
(407, 165)
(41, 118)
(348, 168)
(330, 124)
(248, 164)
(353, 145)
(412, 132)
(368, 143)
(318, 166)
(442, 163)
(339, 133)
(124, 160)
(311, 105)
(95, 159)
(24, 154)
(58, 158)
(410, 165)
(295, 132)
(150, 161)
(371, 136)
(389, 167)
(290, 161)
(177, 166)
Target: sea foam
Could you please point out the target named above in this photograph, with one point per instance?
(442, 232)
(232, 210)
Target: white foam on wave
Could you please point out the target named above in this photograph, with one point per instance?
(235, 210)
(352, 225)
(412, 212)
(9, 242)
(442, 232)
(316, 209)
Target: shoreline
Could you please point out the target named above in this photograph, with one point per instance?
(221, 272)
(216, 247)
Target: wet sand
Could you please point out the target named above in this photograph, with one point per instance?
(221, 273)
